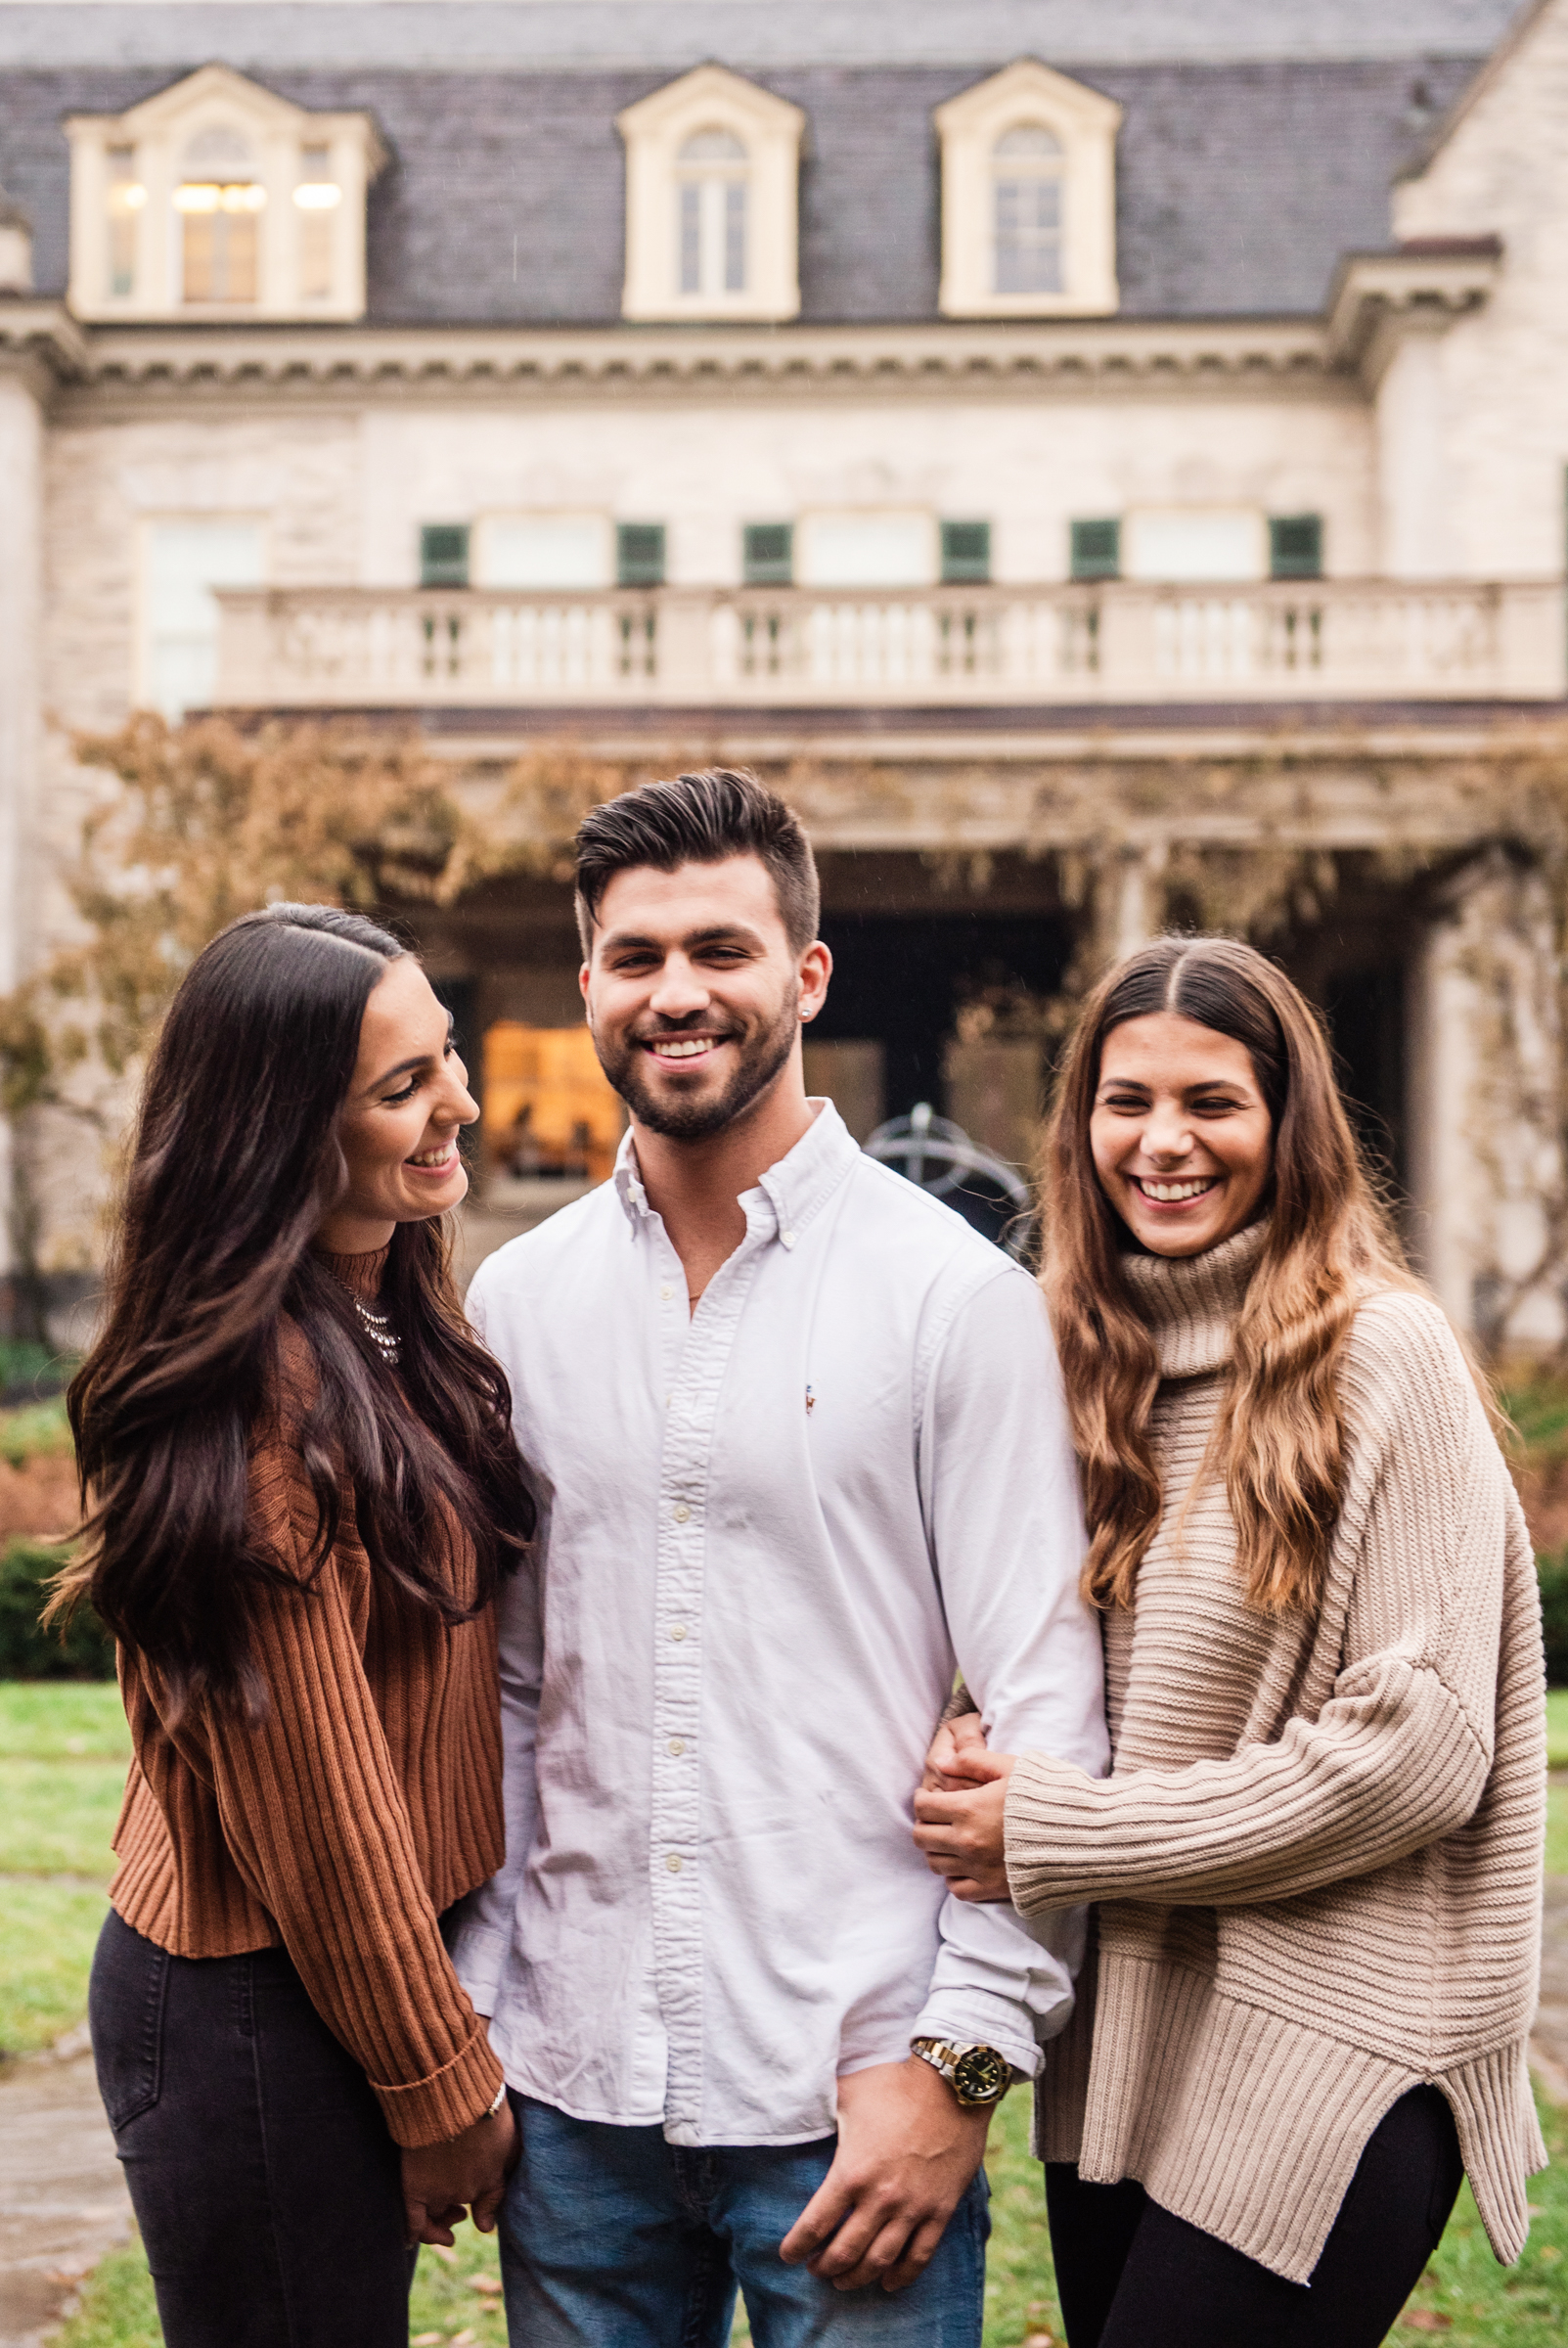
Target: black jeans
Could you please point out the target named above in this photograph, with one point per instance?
(265, 2183)
(1128, 2274)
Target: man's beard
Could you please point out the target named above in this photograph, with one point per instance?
(757, 1064)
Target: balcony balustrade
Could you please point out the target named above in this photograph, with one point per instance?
(1114, 642)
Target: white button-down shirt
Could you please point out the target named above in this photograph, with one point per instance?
(769, 1532)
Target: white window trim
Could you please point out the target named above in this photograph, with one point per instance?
(655, 132)
(488, 529)
(969, 126)
(159, 130)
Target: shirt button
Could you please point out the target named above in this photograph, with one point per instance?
(682, 1512)
(677, 1630)
(677, 1746)
(673, 1863)
(788, 1238)
(665, 1293)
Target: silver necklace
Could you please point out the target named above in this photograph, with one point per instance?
(377, 1327)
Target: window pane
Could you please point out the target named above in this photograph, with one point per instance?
(768, 548)
(219, 240)
(444, 554)
(712, 146)
(1029, 235)
(734, 236)
(547, 550)
(1297, 546)
(185, 562)
(126, 196)
(691, 236)
(966, 552)
(1096, 549)
(640, 554)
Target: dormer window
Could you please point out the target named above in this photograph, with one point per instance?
(712, 172)
(216, 196)
(1028, 198)
(1028, 165)
(220, 201)
(711, 194)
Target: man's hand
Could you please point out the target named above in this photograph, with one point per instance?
(907, 2151)
(961, 1833)
(440, 2182)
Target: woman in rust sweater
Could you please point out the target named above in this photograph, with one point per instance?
(302, 1489)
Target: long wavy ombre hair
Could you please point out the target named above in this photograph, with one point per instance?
(1279, 1436)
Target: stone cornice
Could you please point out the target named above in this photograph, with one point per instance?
(1422, 288)
(465, 362)
(42, 339)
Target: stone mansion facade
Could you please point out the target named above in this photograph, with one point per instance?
(1109, 463)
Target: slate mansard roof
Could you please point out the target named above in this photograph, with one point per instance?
(1239, 181)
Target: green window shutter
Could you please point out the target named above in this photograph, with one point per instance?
(640, 554)
(1096, 549)
(1297, 546)
(444, 554)
(768, 553)
(966, 553)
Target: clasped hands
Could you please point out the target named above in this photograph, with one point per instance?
(443, 2183)
(959, 1811)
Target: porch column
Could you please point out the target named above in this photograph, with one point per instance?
(20, 700)
(1484, 1107)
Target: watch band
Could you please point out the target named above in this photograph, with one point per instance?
(977, 2074)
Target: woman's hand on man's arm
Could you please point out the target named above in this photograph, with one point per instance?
(959, 1809)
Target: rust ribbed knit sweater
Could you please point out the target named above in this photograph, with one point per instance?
(366, 1803)
(1318, 1854)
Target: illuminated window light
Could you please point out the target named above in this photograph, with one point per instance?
(205, 196)
(316, 196)
(126, 195)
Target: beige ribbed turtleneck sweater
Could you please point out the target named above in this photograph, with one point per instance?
(1318, 1854)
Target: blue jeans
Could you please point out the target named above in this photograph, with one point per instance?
(612, 2239)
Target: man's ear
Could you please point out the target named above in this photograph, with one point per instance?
(582, 986)
(816, 967)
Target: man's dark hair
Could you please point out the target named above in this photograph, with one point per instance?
(699, 819)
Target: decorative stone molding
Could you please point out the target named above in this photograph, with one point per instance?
(1028, 198)
(1423, 287)
(1279, 357)
(217, 199)
(712, 186)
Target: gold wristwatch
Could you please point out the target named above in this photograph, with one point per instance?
(977, 2075)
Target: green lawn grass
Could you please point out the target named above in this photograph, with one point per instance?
(63, 1749)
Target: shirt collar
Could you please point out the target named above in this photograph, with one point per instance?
(791, 1192)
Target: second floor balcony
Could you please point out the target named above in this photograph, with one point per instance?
(1116, 642)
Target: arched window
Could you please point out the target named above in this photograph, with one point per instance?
(711, 216)
(219, 200)
(1027, 171)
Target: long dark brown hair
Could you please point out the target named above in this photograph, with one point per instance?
(1279, 1439)
(237, 1162)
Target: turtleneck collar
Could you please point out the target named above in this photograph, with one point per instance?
(361, 1275)
(1191, 1302)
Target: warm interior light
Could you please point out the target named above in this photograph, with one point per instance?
(205, 196)
(126, 195)
(318, 196)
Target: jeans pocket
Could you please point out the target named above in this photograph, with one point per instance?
(125, 2007)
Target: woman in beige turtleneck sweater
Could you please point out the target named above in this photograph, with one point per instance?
(1317, 1861)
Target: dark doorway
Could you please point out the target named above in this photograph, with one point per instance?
(902, 979)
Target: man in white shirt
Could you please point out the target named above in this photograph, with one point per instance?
(800, 1448)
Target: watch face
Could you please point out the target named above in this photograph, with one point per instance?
(980, 2075)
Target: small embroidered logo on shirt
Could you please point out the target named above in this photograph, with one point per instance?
(811, 1402)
